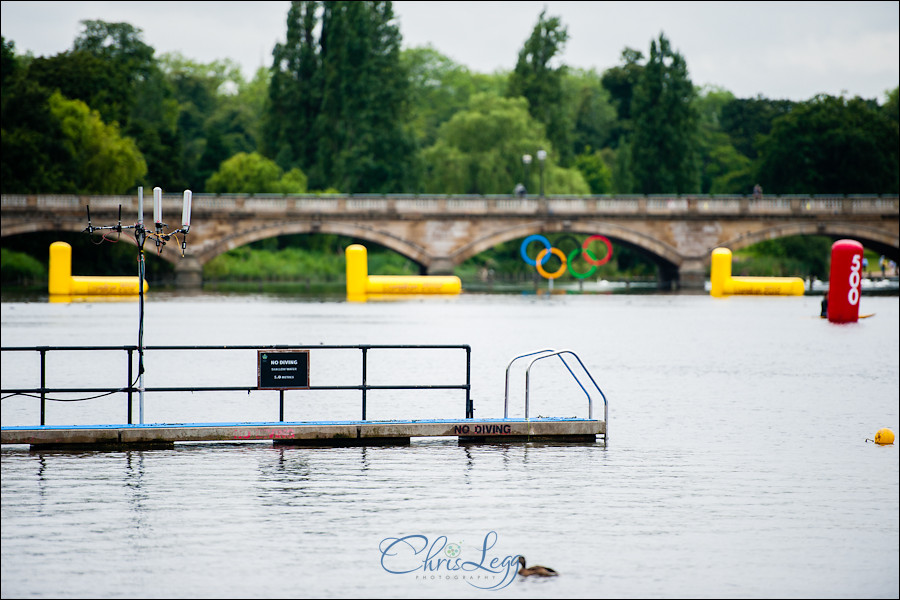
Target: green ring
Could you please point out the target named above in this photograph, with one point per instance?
(588, 273)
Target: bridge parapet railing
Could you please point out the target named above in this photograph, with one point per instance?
(618, 205)
(869, 205)
(515, 205)
(467, 205)
(406, 204)
(571, 205)
(666, 204)
(729, 205)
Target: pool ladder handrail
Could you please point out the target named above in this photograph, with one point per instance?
(547, 353)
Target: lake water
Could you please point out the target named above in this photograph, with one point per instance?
(737, 463)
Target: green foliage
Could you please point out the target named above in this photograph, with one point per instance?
(357, 114)
(596, 173)
(254, 174)
(149, 111)
(542, 85)
(664, 142)
(594, 116)
(301, 258)
(31, 159)
(745, 120)
(723, 169)
(213, 122)
(18, 268)
(620, 83)
(479, 151)
(103, 161)
(831, 145)
(295, 91)
(793, 256)
(339, 104)
(439, 88)
(244, 264)
(623, 180)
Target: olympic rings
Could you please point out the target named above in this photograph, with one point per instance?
(590, 257)
(544, 255)
(524, 247)
(542, 258)
(587, 273)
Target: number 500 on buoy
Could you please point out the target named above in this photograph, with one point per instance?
(844, 281)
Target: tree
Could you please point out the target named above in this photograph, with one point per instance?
(664, 143)
(746, 119)
(103, 162)
(218, 113)
(594, 115)
(439, 87)
(596, 173)
(119, 43)
(342, 98)
(479, 151)
(149, 111)
(30, 159)
(535, 79)
(620, 83)
(80, 75)
(252, 173)
(831, 145)
(295, 91)
(723, 170)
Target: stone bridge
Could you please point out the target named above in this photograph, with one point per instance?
(678, 233)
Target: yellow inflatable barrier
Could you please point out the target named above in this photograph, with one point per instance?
(63, 283)
(723, 284)
(360, 284)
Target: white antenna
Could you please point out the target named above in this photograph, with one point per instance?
(186, 211)
(157, 206)
(140, 220)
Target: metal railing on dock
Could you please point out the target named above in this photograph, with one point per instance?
(548, 353)
(130, 389)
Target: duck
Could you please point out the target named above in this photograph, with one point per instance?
(535, 570)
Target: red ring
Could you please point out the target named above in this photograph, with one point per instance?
(589, 258)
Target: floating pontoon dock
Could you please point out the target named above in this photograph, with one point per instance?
(281, 368)
(318, 433)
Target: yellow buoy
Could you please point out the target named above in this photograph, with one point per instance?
(723, 284)
(360, 284)
(61, 282)
(884, 436)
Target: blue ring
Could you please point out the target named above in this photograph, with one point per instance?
(524, 247)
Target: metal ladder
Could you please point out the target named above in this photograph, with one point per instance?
(548, 353)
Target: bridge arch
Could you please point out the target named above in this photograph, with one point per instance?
(354, 230)
(663, 254)
(126, 236)
(875, 239)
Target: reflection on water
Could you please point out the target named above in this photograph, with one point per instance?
(737, 464)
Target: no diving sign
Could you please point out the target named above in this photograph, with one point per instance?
(283, 369)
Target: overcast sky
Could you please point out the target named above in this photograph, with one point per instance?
(781, 50)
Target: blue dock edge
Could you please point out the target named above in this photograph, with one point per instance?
(308, 433)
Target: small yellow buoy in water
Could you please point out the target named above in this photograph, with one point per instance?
(884, 437)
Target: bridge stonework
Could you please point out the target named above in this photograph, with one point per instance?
(439, 232)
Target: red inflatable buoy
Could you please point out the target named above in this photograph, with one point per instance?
(844, 281)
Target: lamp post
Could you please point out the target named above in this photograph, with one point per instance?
(542, 156)
(526, 160)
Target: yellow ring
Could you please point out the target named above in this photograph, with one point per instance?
(558, 272)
